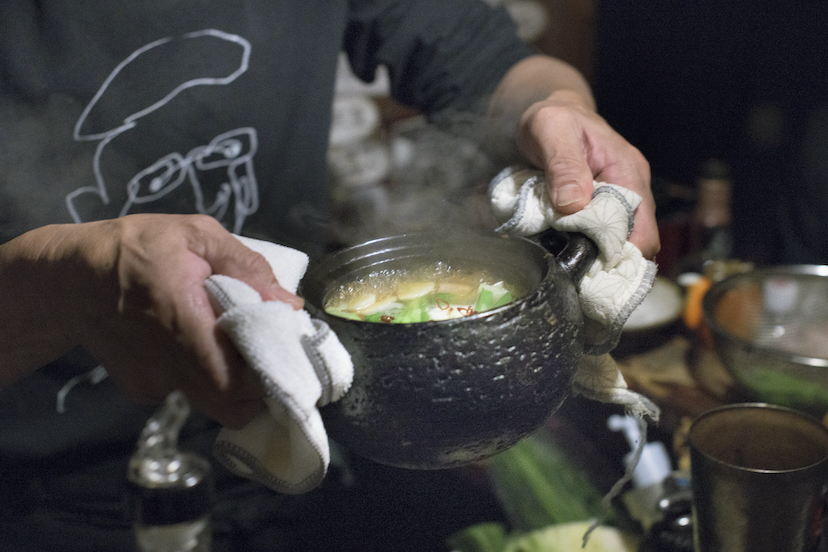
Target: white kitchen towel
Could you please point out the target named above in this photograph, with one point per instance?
(620, 277)
(612, 287)
(302, 365)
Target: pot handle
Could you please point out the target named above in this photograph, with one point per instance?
(577, 254)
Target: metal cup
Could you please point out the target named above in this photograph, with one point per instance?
(759, 477)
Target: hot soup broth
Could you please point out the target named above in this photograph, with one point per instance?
(436, 292)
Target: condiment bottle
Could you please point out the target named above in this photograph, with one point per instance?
(172, 492)
(710, 243)
(711, 236)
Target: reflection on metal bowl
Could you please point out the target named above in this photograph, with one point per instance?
(770, 328)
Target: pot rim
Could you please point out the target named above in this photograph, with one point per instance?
(315, 301)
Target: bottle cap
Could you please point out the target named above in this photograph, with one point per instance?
(167, 486)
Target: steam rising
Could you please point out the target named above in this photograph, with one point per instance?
(437, 177)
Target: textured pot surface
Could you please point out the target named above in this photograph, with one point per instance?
(445, 393)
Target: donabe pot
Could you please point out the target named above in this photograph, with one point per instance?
(442, 394)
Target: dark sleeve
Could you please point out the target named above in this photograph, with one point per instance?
(439, 53)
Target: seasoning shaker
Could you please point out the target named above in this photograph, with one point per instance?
(171, 491)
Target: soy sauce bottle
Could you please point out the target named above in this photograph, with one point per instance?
(171, 492)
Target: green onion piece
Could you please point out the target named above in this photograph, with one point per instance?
(484, 300)
(504, 299)
(343, 314)
(410, 312)
(424, 317)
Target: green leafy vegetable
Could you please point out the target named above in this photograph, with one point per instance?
(423, 307)
(485, 300)
(483, 537)
(539, 485)
(505, 299)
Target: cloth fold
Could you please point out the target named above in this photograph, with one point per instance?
(612, 287)
(620, 277)
(302, 365)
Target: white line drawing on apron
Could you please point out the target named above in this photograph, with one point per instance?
(232, 151)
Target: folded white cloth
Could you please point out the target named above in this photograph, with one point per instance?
(302, 365)
(620, 277)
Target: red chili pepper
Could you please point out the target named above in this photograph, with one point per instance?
(440, 302)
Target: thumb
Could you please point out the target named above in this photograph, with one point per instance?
(569, 182)
(231, 257)
(275, 292)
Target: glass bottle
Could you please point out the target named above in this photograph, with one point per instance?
(711, 236)
(172, 491)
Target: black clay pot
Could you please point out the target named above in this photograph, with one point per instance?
(446, 393)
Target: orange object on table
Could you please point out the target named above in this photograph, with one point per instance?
(693, 305)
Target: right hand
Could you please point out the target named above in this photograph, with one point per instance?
(131, 290)
(575, 146)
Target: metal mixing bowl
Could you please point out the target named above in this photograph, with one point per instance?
(770, 328)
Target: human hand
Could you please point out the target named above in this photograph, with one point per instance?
(148, 318)
(563, 135)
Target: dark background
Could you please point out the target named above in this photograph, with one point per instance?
(689, 80)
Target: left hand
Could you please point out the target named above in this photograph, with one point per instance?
(574, 145)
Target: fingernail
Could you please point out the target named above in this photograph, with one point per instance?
(281, 294)
(567, 195)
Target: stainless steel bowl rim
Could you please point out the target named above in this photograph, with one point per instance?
(782, 270)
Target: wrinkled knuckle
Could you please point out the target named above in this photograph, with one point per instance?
(554, 115)
(566, 169)
(643, 165)
(253, 264)
(544, 115)
(204, 224)
(639, 159)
